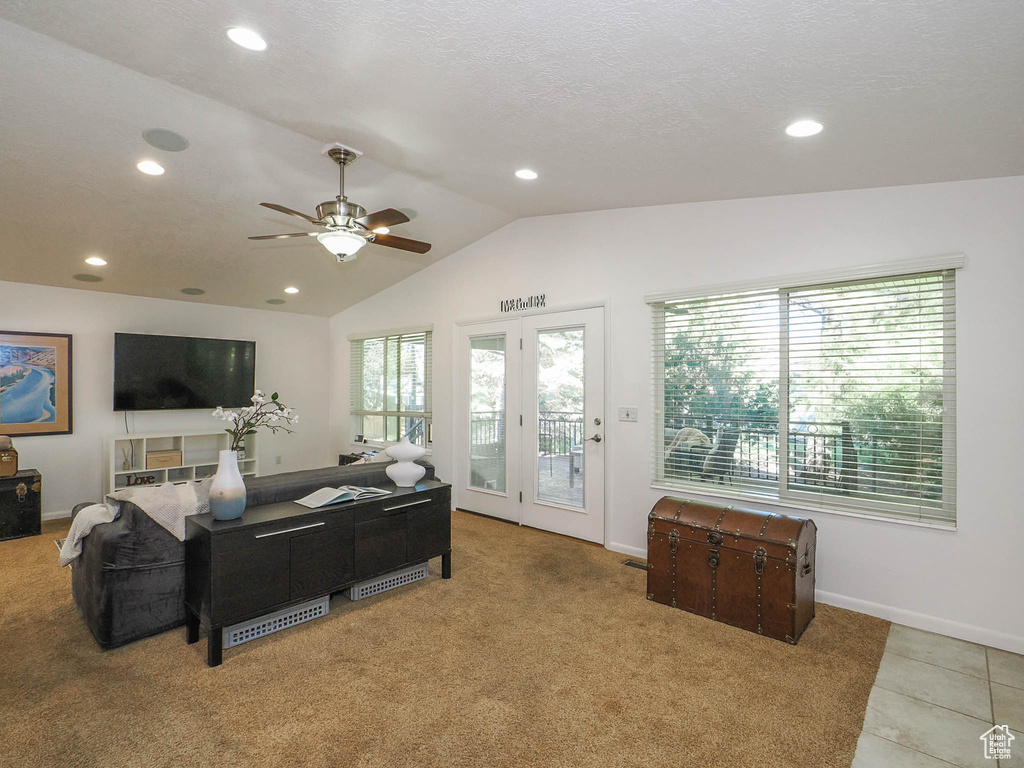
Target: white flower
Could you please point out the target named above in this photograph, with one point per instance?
(259, 398)
(219, 413)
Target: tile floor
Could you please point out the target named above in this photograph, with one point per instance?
(934, 696)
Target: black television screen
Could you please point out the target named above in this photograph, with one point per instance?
(153, 373)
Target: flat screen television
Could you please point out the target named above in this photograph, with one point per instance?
(155, 373)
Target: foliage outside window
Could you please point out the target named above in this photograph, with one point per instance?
(390, 387)
(838, 396)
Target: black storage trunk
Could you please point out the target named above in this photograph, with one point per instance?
(20, 507)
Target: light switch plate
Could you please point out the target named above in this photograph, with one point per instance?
(628, 413)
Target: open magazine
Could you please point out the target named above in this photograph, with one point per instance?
(327, 496)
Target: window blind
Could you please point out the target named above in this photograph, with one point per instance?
(390, 386)
(838, 395)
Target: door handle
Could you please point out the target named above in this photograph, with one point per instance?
(595, 438)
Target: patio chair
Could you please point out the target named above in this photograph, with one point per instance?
(721, 459)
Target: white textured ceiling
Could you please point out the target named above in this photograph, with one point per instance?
(614, 102)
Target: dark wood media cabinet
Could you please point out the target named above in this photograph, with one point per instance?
(279, 555)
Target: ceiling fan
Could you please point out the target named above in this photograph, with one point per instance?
(347, 226)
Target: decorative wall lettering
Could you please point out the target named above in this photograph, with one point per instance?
(141, 480)
(519, 305)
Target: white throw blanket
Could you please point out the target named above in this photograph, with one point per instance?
(167, 504)
(82, 526)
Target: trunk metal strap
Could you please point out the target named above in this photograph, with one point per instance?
(714, 585)
(673, 547)
(759, 558)
(680, 510)
(767, 520)
(720, 518)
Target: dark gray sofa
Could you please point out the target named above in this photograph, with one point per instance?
(129, 581)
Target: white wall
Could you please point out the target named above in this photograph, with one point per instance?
(292, 354)
(962, 583)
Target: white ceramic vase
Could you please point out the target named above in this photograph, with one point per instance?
(227, 491)
(405, 473)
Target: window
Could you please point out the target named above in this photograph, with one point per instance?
(390, 387)
(837, 396)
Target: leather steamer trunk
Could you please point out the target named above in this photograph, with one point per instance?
(752, 570)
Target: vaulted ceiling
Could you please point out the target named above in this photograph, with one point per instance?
(613, 102)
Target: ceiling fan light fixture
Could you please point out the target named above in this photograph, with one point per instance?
(247, 38)
(341, 242)
(150, 168)
(802, 129)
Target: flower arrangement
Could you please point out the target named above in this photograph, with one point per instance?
(264, 412)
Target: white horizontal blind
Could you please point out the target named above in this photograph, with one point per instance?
(718, 361)
(390, 386)
(872, 395)
(839, 396)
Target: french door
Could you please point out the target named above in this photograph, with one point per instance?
(530, 404)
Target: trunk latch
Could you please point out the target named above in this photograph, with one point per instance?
(673, 541)
(713, 558)
(759, 557)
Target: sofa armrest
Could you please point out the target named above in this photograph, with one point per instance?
(132, 539)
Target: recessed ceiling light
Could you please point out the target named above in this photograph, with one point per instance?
(88, 278)
(96, 261)
(804, 128)
(275, 301)
(247, 39)
(150, 168)
(382, 230)
(291, 289)
(193, 291)
(526, 173)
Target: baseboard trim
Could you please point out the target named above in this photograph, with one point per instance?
(625, 549)
(968, 632)
(60, 514)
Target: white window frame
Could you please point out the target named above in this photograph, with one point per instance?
(783, 496)
(357, 412)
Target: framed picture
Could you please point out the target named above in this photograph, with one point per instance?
(35, 383)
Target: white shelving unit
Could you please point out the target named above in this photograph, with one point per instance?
(199, 455)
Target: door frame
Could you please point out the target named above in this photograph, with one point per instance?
(458, 390)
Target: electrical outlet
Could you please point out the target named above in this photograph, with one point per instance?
(277, 459)
(629, 413)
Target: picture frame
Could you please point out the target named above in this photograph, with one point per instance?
(35, 383)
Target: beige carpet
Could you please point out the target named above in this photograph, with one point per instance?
(541, 651)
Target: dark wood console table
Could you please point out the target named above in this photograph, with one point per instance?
(279, 555)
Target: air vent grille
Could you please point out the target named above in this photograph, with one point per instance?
(388, 581)
(237, 634)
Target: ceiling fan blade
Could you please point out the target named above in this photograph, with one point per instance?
(389, 217)
(403, 243)
(290, 212)
(277, 237)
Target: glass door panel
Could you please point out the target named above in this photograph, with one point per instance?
(562, 445)
(560, 398)
(487, 421)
